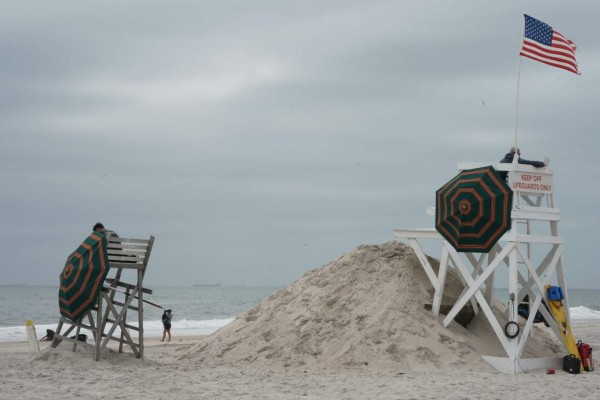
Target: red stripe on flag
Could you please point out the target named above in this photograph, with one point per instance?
(556, 59)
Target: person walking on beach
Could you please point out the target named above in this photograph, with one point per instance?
(166, 320)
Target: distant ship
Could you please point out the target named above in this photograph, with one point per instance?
(208, 284)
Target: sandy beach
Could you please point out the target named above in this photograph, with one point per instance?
(61, 374)
(355, 328)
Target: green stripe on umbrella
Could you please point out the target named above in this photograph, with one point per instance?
(472, 210)
(83, 276)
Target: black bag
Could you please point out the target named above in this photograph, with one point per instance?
(82, 337)
(571, 364)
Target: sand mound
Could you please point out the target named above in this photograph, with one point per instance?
(366, 310)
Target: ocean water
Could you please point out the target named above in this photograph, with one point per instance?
(584, 304)
(197, 310)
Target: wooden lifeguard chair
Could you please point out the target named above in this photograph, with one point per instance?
(128, 260)
(532, 250)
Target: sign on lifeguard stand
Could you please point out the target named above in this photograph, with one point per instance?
(532, 251)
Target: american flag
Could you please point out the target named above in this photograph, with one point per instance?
(544, 44)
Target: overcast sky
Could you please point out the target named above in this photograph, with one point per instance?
(257, 140)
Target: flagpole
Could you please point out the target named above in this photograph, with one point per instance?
(517, 106)
(517, 99)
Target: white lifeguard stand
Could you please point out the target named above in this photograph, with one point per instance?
(532, 250)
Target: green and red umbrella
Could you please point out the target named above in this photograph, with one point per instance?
(83, 276)
(472, 210)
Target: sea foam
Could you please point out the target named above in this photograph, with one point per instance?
(152, 329)
(186, 327)
(582, 313)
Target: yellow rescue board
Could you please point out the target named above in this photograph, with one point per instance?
(558, 312)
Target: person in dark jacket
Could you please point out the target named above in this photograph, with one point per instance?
(49, 335)
(509, 158)
(99, 227)
(166, 320)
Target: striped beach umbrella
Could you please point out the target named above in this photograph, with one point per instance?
(83, 276)
(472, 210)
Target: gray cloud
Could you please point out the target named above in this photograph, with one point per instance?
(257, 140)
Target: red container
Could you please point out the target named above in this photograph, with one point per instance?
(550, 371)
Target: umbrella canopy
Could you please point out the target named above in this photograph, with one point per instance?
(472, 211)
(83, 276)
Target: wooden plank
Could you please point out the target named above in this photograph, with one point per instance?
(149, 251)
(126, 265)
(55, 340)
(126, 253)
(138, 248)
(417, 233)
(130, 307)
(425, 264)
(129, 286)
(128, 240)
(81, 324)
(127, 250)
(100, 327)
(128, 326)
(140, 314)
(506, 167)
(125, 259)
(539, 239)
(536, 213)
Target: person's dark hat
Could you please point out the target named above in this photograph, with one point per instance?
(98, 225)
